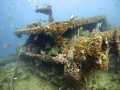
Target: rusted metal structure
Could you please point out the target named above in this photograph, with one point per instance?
(62, 46)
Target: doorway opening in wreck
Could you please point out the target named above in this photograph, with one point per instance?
(39, 44)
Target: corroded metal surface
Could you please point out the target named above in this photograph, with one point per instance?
(84, 55)
(52, 28)
(79, 54)
(46, 10)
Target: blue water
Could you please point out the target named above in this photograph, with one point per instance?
(18, 13)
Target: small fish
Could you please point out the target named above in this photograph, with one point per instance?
(29, 1)
(9, 8)
(24, 18)
(44, 5)
(98, 25)
(116, 4)
(19, 4)
(2, 26)
(15, 78)
(9, 14)
(11, 25)
(72, 17)
(44, 21)
(7, 46)
(36, 37)
(47, 46)
(37, 5)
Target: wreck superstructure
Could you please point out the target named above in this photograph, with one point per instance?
(69, 50)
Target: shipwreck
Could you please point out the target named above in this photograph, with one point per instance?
(67, 52)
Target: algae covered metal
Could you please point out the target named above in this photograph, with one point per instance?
(69, 50)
